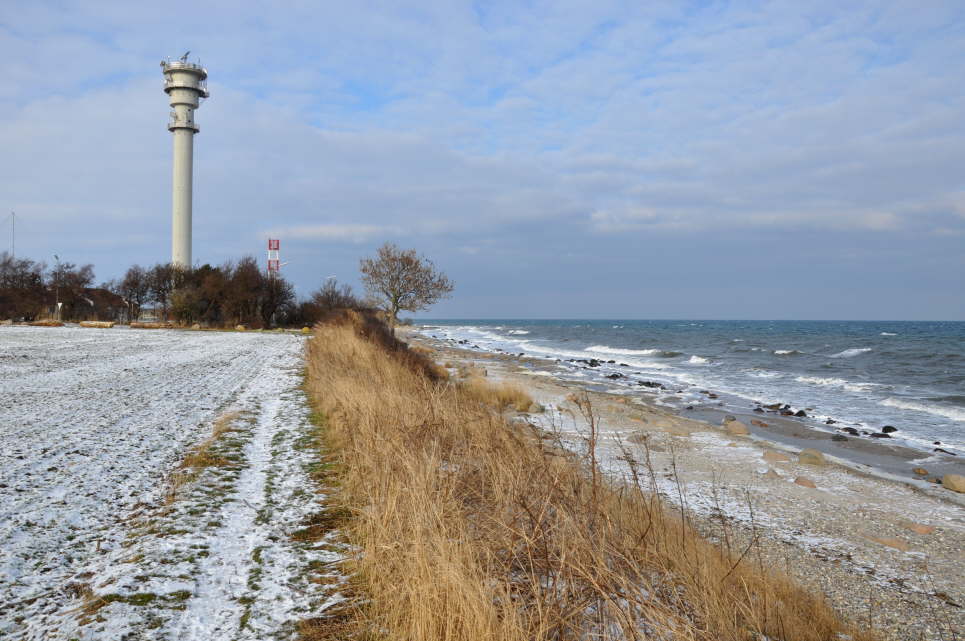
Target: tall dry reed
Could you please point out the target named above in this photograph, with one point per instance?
(473, 527)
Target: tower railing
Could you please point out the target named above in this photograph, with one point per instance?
(198, 84)
(179, 64)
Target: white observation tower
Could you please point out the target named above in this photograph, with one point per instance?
(185, 83)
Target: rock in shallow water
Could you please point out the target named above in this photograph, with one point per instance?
(803, 481)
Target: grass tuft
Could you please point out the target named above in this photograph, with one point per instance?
(200, 457)
(500, 395)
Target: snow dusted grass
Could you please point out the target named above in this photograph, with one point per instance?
(472, 526)
(200, 457)
(152, 486)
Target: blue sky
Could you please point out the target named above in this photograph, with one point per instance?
(556, 159)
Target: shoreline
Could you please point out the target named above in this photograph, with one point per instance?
(884, 455)
(856, 536)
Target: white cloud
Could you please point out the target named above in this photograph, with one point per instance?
(335, 231)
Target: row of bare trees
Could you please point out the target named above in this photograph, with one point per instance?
(230, 294)
(236, 292)
(30, 289)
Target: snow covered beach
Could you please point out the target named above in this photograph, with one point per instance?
(94, 423)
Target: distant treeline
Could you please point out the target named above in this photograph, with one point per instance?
(237, 292)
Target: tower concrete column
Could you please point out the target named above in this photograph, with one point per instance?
(186, 84)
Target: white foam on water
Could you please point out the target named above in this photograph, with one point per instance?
(887, 334)
(786, 352)
(854, 351)
(697, 360)
(606, 349)
(761, 374)
(835, 382)
(954, 413)
(518, 331)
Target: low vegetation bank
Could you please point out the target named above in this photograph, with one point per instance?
(472, 525)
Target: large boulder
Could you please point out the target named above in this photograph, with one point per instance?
(776, 457)
(954, 482)
(811, 456)
(736, 428)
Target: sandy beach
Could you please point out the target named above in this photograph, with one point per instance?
(884, 548)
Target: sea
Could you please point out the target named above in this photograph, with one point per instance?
(861, 374)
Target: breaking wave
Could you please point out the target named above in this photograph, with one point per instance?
(854, 351)
(834, 382)
(606, 349)
(954, 413)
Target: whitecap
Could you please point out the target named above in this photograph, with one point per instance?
(954, 413)
(697, 360)
(854, 351)
(606, 349)
(762, 374)
(834, 382)
(786, 352)
(518, 332)
(888, 334)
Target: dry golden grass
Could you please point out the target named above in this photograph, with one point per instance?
(198, 458)
(137, 325)
(500, 395)
(470, 527)
(97, 324)
(47, 323)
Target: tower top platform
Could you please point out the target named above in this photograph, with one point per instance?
(180, 74)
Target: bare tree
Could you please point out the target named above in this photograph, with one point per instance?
(332, 296)
(160, 278)
(135, 288)
(400, 280)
